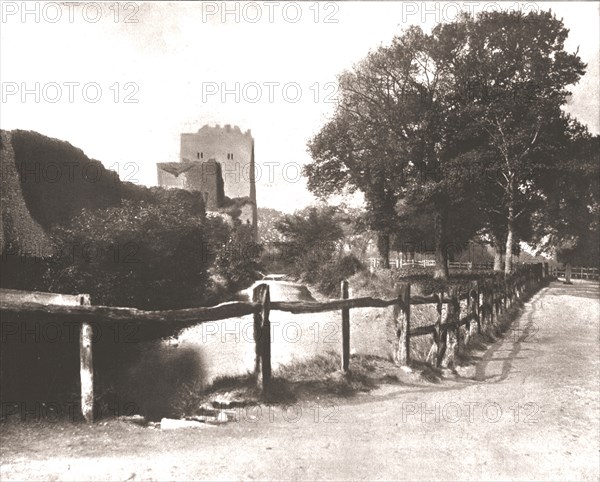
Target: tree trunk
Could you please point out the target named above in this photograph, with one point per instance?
(498, 265)
(509, 241)
(510, 225)
(568, 273)
(383, 244)
(441, 252)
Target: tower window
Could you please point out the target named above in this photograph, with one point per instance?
(197, 155)
(202, 155)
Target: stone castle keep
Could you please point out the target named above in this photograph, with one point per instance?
(218, 162)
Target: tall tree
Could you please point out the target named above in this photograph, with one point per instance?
(568, 224)
(363, 147)
(424, 118)
(518, 71)
(393, 134)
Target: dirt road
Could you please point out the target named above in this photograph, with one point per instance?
(529, 410)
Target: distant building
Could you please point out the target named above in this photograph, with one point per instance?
(219, 163)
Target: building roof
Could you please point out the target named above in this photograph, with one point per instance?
(176, 168)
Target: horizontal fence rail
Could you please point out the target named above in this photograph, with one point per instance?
(183, 317)
(577, 272)
(193, 316)
(424, 263)
(485, 301)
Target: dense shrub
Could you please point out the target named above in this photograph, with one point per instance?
(138, 254)
(329, 275)
(422, 280)
(58, 180)
(236, 258)
(315, 248)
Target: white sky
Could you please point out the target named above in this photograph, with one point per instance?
(174, 52)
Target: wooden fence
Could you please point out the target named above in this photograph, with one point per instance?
(485, 301)
(424, 263)
(577, 272)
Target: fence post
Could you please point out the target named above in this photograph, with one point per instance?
(86, 366)
(452, 334)
(436, 351)
(474, 309)
(520, 286)
(469, 325)
(496, 292)
(493, 312)
(402, 323)
(345, 329)
(439, 333)
(484, 307)
(499, 301)
(513, 289)
(262, 336)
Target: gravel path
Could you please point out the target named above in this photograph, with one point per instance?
(530, 411)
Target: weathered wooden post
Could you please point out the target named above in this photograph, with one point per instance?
(438, 348)
(513, 289)
(498, 299)
(493, 307)
(440, 335)
(520, 286)
(262, 336)
(540, 270)
(477, 306)
(86, 365)
(473, 310)
(470, 323)
(345, 329)
(402, 323)
(484, 306)
(452, 333)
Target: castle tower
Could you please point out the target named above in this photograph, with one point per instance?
(229, 147)
(231, 150)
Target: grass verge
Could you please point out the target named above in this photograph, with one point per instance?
(308, 379)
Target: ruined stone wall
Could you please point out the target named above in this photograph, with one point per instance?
(247, 214)
(207, 178)
(169, 178)
(204, 177)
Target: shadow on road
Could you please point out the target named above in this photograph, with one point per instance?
(515, 335)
